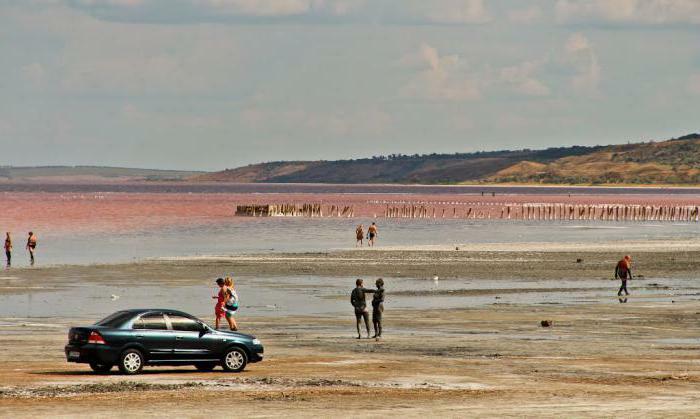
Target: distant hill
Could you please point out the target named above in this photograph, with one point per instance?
(432, 168)
(89, 174)
(676, 161)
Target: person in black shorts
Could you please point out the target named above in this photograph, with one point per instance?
(358, 301)
(378, 308)
(31, 246)
(372, 233)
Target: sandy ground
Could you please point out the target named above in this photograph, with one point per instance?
(638, 358)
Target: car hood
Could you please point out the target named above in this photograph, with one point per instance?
(234, 334)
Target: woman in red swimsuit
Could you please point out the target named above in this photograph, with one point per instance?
(220, 298)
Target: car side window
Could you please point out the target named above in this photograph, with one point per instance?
(183, 324)
(152, 321)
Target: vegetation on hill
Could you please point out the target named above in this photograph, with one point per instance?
(394, 168)
(676, 161)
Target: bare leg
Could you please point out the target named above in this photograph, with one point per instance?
(231, 323)
(358, 326)
(216, 323)
(365, 316)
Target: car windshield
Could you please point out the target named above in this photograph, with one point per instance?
(115, 319)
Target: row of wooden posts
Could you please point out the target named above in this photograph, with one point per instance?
(294, 210)
(549, 211)
(529, 211)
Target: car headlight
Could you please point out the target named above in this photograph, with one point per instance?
(256, 342)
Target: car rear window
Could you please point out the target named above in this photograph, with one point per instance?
(184, 324)
(115, 319)
(151, 321)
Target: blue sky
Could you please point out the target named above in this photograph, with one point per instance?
(212, 84)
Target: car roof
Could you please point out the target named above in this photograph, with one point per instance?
(148, 310)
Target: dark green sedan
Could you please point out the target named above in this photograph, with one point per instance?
(132, 339)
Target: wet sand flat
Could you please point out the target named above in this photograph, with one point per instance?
(601, 357)
(598, 360)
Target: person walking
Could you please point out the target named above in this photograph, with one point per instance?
(8, 248)
(378, 308)
(231, 304)
(359, 302)
(623, 272)
(359, 235)
(372, 233)
(31, 246)
(220, 298)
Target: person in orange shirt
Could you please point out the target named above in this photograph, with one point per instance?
(623, 272)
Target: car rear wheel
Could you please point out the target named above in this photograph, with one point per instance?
(100, 368)
(234, 360)
(131, 362)
(205, 366)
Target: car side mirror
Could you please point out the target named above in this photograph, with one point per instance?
(203, 329)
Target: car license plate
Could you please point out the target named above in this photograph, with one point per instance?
(74, 354)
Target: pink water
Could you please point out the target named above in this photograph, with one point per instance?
(88, 226)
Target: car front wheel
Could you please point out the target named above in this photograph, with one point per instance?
(100, 368)
(234, 360)
(131, 362)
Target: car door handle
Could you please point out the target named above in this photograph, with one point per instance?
(139, 336)
(178, 337)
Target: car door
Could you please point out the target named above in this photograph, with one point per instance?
(190, 343)
(151, 331)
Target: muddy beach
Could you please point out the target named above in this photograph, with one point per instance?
(469, 344)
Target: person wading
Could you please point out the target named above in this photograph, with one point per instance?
(31, 246)
(378, 308)
(372, 234)
(623, 272)
(359, 235)
(8, 248)
(357, 299)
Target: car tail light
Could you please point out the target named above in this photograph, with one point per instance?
(96, 338)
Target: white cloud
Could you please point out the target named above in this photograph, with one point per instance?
(521, 77)
(580, 54)
(629, 11)
(439, 77)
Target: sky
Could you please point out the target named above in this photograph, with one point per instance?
(214, 84)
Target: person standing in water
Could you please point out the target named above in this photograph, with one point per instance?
(31, 246)
(358, 301)
(378, 308)
(623, 272)
(8, 248)
(231, 304)
(372, 233)
(359, 235)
